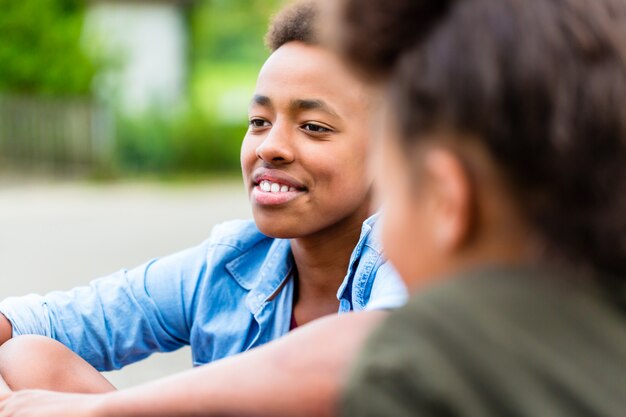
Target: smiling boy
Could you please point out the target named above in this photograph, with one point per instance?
(311, 251)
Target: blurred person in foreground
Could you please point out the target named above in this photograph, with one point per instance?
(311, 251)
(505, 206)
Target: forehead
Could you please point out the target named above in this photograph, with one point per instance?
(297, 71)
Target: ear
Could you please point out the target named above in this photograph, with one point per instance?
(452, 200)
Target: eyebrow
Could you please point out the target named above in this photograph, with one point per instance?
(313, 104)
(296, 104)
(261, 101)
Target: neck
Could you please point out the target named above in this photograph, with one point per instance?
(322, 262)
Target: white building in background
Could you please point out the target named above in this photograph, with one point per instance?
(148, 41)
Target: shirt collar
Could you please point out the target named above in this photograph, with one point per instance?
(369, 237)
(278, 265)
(263, 282)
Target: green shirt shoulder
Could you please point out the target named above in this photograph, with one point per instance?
(496, 342)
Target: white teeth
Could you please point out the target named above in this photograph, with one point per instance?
(274, 187)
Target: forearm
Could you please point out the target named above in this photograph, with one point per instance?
(299, 375)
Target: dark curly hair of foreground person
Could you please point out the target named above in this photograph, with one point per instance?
(542, 84)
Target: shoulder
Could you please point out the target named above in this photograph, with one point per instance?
(513, 314)
(417, 351)
(484, 331)
(232, 239)
(502, 295)
(494, 298)
(226, 241)
(240, 235)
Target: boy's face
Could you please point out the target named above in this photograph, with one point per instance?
(304, 155)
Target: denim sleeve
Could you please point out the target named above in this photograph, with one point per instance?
(388, 289)
(121, 318)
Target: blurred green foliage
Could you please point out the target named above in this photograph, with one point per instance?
(227, 51)
(231, 30)
(189, 144)
(40, 51)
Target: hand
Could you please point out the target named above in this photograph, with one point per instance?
(39, 403)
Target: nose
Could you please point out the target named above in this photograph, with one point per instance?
(277, 146)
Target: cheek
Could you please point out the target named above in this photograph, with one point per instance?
(408, 240)
(342, 173)
(397, 233)
(391, 190)
(405, 233)
(248, 155)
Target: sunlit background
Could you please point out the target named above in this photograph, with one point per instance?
(120, 128)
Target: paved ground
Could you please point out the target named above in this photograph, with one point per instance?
(59, 235)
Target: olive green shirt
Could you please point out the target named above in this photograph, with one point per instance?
(496, 342)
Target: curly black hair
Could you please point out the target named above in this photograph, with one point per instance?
(295, 22)
(541, 83)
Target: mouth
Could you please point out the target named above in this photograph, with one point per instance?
(274, 187)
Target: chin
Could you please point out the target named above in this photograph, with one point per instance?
(271, 226)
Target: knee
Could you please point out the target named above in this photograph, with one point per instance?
(38, 362)
(25, 356)
(30, 349)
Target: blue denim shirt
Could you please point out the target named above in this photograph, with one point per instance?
(229, 294)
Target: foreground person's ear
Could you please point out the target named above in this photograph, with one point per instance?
(452, 199)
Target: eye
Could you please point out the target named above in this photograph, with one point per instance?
(315, 128)
(258, 123)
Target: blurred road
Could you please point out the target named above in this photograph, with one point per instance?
(58, 235)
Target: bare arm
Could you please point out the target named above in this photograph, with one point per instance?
(301, 374)
(298, 375)
(6, 330)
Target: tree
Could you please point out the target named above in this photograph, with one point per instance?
(40, 48)
(228, 30)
